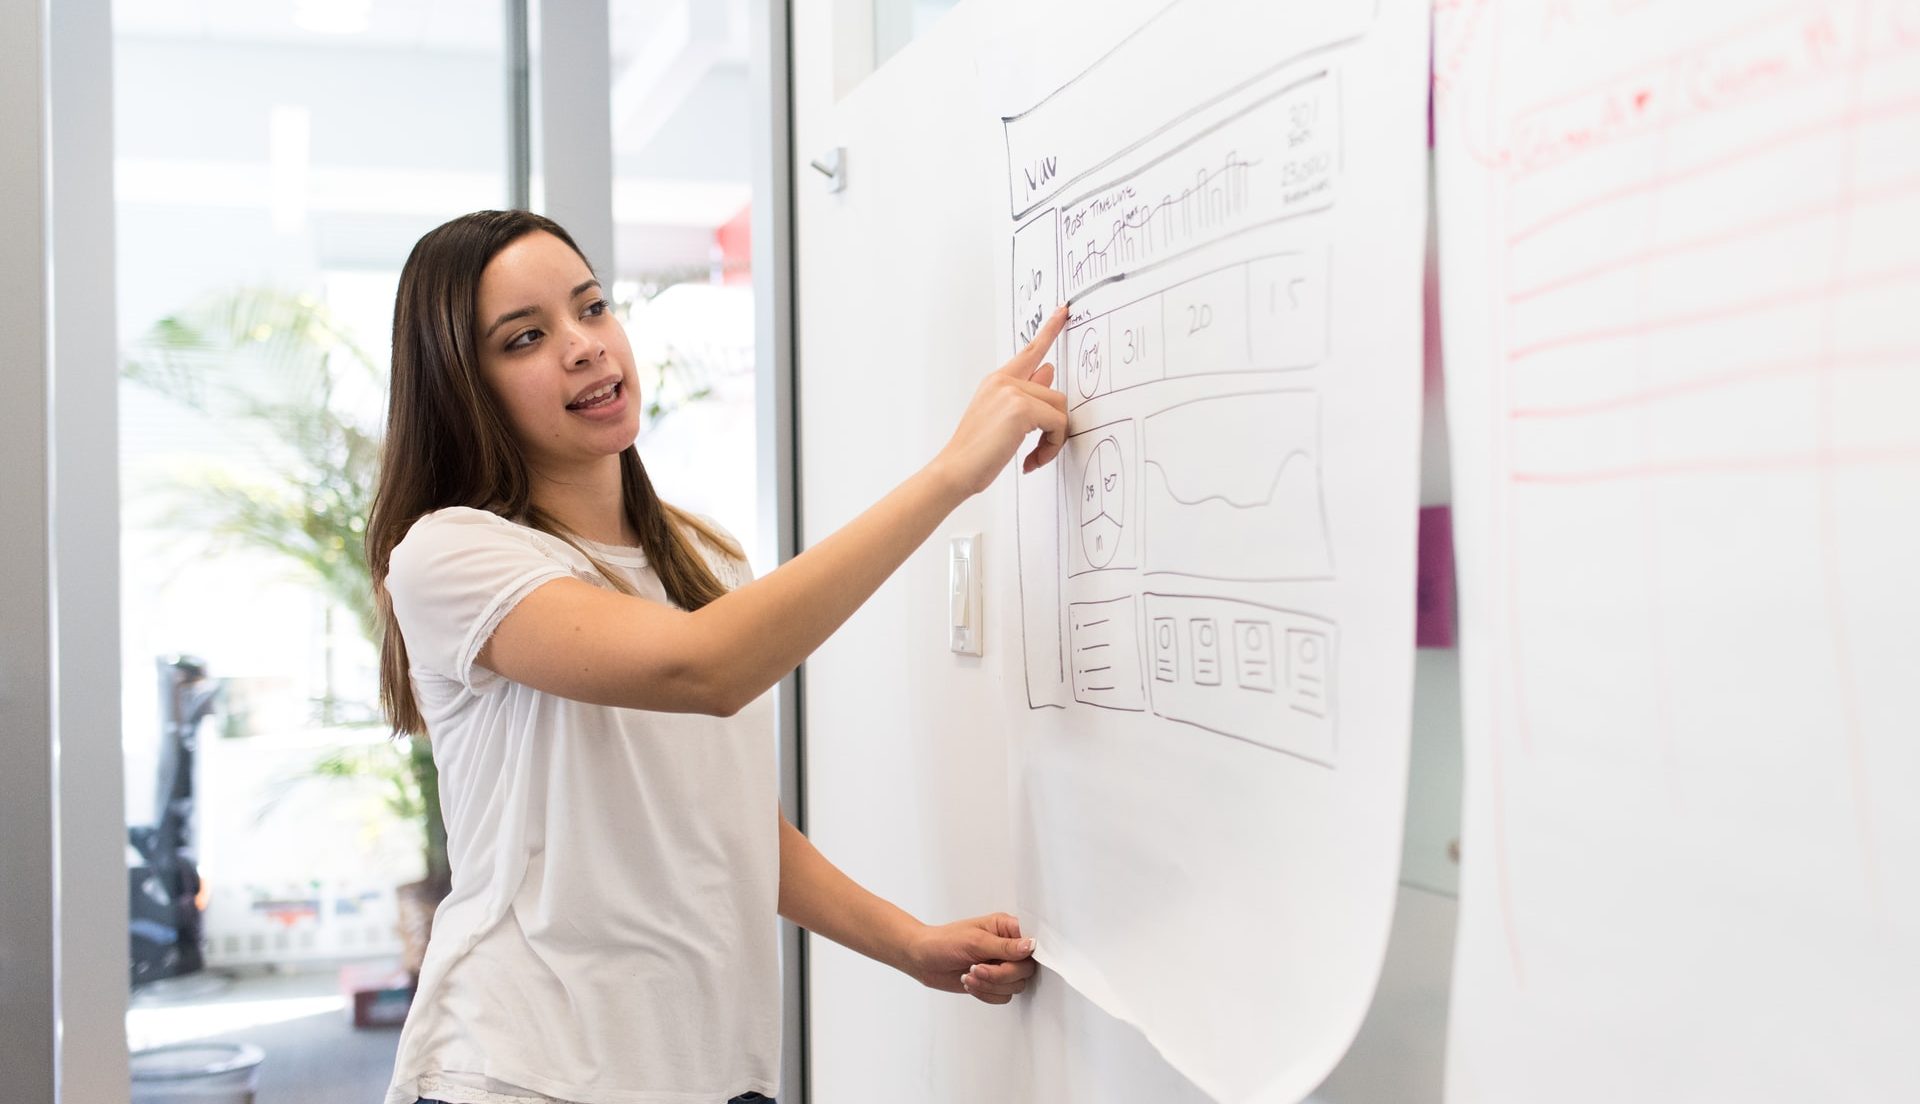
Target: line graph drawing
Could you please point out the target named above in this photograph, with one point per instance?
(1232, 489)
(1276, 159)
(1216, 572)
(1198, 276)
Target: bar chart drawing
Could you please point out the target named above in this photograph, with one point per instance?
(1196, 265)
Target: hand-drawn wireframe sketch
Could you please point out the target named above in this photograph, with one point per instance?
(1106, 654)
(1041, 532)
(1274, 158)
(1233, 488)
(1199, 321)
(1036, 282)
(1101, 462)
(1261, 315)
(1215, 577)
(1252, 672)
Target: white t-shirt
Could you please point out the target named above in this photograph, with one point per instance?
(610, 937)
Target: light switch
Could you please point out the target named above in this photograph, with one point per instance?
(963, 594)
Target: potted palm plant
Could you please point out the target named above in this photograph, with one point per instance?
(280, 367)
(283, 366)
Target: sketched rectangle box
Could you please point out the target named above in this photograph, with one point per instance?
(1105, 649)
(1277, 158)
(1231, 489)
(1035, 276)
(1256, 673)
(1103, 504)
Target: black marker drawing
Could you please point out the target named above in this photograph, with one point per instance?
(1232, 489)
(1047, 155)
(1106, 654)
(1255, 673)
(1264, 314)
(1198, 273)
(1253, 169)
(1101, 472)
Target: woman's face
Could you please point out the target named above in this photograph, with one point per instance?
(555, 356)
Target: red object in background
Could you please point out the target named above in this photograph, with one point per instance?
(1435, 595)
(735, 239)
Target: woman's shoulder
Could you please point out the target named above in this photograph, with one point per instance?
(460, 525)
(459, 529)
(724, 553)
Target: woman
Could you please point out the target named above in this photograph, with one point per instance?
(591, 665)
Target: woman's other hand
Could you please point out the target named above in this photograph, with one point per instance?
(1013, 401)
(984, 956)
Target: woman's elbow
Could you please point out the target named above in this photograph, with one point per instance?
(713, 692)
(713, 672)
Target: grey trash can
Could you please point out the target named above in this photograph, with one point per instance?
(196, 1073)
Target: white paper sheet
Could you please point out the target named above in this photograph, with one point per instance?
(1681, 257)
(1217, 577)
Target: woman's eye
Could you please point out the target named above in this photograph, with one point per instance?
(597, 307)
(522, 339)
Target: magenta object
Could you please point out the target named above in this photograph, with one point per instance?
(1434, 597)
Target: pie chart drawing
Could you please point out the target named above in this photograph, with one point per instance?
(1103, 496)
(1087, 357)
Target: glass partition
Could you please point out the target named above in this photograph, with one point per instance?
(274, 165)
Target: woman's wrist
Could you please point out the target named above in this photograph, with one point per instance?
(946, 483)
(904, 955)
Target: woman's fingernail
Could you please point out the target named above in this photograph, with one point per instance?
(1026, 946)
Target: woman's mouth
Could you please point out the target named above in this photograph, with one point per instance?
(596, 399)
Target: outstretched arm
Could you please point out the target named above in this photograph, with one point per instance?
(984, 956)
(579, 641)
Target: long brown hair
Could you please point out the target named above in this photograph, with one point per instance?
(449, 444)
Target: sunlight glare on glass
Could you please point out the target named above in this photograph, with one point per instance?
(152, 1027)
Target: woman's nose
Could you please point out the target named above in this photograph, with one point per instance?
(583, 348)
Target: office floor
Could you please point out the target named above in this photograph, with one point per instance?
(314, 1055)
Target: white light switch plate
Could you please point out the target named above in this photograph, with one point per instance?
(963, 594)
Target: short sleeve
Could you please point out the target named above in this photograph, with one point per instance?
(732, 572)
(452, 579)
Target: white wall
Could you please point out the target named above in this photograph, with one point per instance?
(906, 744)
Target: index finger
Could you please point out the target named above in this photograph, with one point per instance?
(1027, 359)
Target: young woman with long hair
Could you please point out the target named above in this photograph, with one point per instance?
(591, 666)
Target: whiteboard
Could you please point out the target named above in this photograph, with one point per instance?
(1681, 248)
(1216, 578)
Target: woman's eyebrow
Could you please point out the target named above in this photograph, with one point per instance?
(523, 312)
(506, 318)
